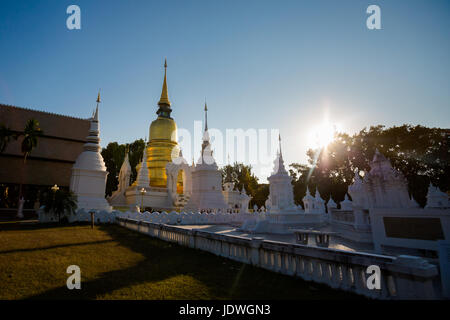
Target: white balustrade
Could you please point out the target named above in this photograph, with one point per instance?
(338, 269)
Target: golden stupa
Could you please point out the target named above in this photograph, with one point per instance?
(163, 146)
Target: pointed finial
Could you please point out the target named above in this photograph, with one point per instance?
(164, 93)
(98, 97)
(206, 116)
(279, 142)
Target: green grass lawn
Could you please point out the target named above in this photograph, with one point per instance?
(117, 263)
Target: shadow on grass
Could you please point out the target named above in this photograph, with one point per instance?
(224, 279)
(66, 245)
(22, 226)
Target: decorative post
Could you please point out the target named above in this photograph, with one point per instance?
(255, 244)
(54, 189)
(143, 192)
(92, 218)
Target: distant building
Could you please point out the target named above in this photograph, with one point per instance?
(48, 164)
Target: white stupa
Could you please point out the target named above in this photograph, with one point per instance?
(346, 205)
(331, 204)
(88, 180)
(282, 214)
(142, 179)
(436, 198)
(206, 179)
(320, 203)
(308, 201)
(382, 187)
(281, 193)
(118, 197)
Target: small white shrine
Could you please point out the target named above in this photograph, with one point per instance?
(118, 197)
(382, 187)
(235, 199)
(436, 198)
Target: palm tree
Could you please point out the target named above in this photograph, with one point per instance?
(60, 202)
(30, 137)
(6, 135)
(31, 132)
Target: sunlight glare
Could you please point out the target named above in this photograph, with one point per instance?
(322, 135)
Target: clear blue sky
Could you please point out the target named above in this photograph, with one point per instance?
(261, 64)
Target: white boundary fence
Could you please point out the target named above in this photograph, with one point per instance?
(403, 277)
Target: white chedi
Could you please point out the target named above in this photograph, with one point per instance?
(206, 191)
(331, 204)
(281, 193)
(320, 203)
(235, 199)
(313, 204)
(382, 187)
(118, 197)
(436, 198)
(88, 179)
(346, 205)
(358, 192)
(142, 179)
(309, 202)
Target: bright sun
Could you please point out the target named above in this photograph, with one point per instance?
(322, 135)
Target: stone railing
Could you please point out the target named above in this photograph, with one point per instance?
(341, 216)
(189, 218)
(403, 277)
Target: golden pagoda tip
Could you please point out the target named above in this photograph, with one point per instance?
(164, 93)
(98, 97)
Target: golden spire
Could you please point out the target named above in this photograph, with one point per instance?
(98, 97)
(164, 94)
(206, 116)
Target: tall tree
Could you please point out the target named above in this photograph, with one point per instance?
(114, 154)
(421, 154)
(6, 135)
(31, 133)
(243, 177)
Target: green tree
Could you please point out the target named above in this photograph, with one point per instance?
(242, 177)
(114, 154)
(60, 202)
(30, 134)
(421, 154)
(6, 135)
(260, 196)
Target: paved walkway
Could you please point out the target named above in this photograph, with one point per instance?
(335, 242)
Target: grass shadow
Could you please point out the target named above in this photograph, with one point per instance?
(176, 272)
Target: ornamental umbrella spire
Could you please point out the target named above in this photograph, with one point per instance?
(164, 100)
(206, 116)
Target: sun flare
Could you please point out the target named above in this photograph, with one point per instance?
(322, 135)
